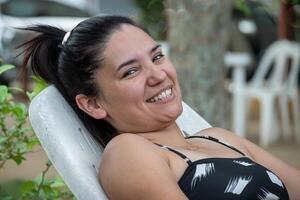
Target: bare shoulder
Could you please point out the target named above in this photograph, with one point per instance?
(132, 168)
(227, 137)
(125, 142)
(221, 134)
(123, 148)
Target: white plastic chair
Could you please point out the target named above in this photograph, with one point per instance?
(72, 150)
(290, 93)
(280, 83)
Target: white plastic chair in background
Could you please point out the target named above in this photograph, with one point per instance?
(266, 86)
(290, 93)
(70, 147)
(239, 61)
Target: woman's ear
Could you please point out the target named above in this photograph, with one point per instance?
(90, 106)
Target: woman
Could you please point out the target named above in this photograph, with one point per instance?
(126, 91)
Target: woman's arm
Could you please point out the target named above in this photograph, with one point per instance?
(288, 174)
(132, 169)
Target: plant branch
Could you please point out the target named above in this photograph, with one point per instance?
(2, 163)
(42, 181)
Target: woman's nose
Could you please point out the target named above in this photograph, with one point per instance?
(156, 76)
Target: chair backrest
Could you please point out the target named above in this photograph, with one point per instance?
(295, 67)
(277, 55)
(72, 150)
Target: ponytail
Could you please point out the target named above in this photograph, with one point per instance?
(44, 52)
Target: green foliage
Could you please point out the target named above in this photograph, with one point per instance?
(40, 84)
(153, 17)
(10, 190)
(242, 6)
(42, 188)
(293, 2)
(5, 67)
(17, 139)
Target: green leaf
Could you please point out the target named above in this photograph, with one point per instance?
(243, 7)
(15, 89)
(3, 139)
(32, 143)
(40, 84)
(4, 110)
(3, 93)
(31, 95)
(49, 163)
(7, 197)
(38, 179)
(5, 67)
(293, 2)
(19, 110)
(153, 2)
(18, 158)
(58, 182)
(47, 190)
(28, 186)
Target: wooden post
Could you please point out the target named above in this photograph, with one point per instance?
(286, 21)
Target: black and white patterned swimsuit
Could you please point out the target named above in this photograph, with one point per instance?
(229, 178)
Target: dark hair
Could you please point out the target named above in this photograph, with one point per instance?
(70, 66)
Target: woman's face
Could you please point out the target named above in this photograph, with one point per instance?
(139, 86)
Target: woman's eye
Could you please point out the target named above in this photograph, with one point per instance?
(129, 72)
(158, 57)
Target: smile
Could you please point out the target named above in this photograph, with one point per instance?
(163, 96)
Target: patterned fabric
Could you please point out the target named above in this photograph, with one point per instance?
(229, 178)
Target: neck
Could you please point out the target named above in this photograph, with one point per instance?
(170, 136)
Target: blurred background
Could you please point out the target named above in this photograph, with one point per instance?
(223, 52)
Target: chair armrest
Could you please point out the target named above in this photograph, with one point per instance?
(239, 62)
(237, 59)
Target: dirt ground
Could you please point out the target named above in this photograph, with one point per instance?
(287, 150)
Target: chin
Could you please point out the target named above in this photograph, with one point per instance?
(175, 110)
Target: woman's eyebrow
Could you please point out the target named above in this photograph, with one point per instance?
(154, 48)
(131, 61)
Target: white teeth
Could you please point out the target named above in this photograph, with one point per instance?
(168, 92)
(161, 96)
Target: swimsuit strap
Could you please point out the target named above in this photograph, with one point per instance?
(216, 140)
(186, 159)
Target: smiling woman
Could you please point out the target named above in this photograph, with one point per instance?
(117, 79)
(132, 74)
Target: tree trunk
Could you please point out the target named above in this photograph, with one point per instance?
(198, 37)
(286, 21)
